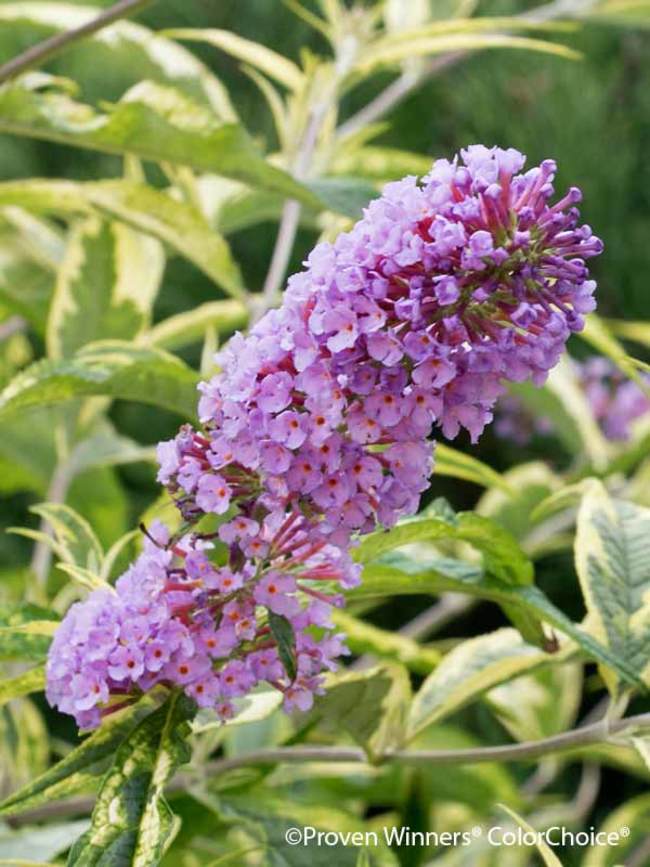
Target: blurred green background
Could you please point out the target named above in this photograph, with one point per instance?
(592, 116)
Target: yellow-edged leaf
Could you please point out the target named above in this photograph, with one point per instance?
(612, 553)
(468, 671)
(269, 62)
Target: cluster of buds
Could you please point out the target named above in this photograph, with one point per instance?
(317, 429)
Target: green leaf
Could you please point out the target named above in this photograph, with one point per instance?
(32, 467)
(152, 122)
(276, 106)
(565, 498)
(476, 785)
(502, 556)
(187, 328)
(21, 862)
(86, 578)
(637, 332)
(232, 207)
(347, 196)
(469, 670)
(105, 287)
(25, 282)
(564, 401)
(22, 684)
(22, 614)
(115, 551)
(529, 484)
(538, 705)
(626, 13)
(642, 746)
(44, 842)
(453, 16)
(392, 50)
(72, 539)
(110, 369)
(612, 552)
(265, 59)
(75, 541)
(132, 822)
(379, 163)
(597, 333)
(364, 859)
(363, 637)
(284, 637)
(99, 493)
(42, 240)
(251, 708)
(106, 448)
(370, 705)
(81, 767)
(178, 224)
(151, 211)
(549, 857)
(25, 632)
(264, 818)
(633, 815)
(401, 575)
(46, 196)
(399, 17)
(24, 743)
(123, 43)
(458, 465)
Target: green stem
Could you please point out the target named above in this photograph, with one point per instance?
(599, 732)
(588, 735)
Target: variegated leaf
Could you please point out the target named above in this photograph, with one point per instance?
(548, 856)
(109, 368)
(151, 121)
(370, 705)
(612, 553)
(32, 680)
(540, 704)
(81, 768)
(123, 42)
(634, 815)
(24, 744)
(132, 822)
(468, 671)
(105, 287)
(25, 632)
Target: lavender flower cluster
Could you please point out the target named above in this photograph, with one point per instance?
(616, 403)
(317, 430)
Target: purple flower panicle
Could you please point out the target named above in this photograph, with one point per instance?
(176, 618)
(317, 428)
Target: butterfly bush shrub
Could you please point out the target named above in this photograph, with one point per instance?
(318, 428)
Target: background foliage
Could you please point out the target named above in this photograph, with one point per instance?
(124, 261)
